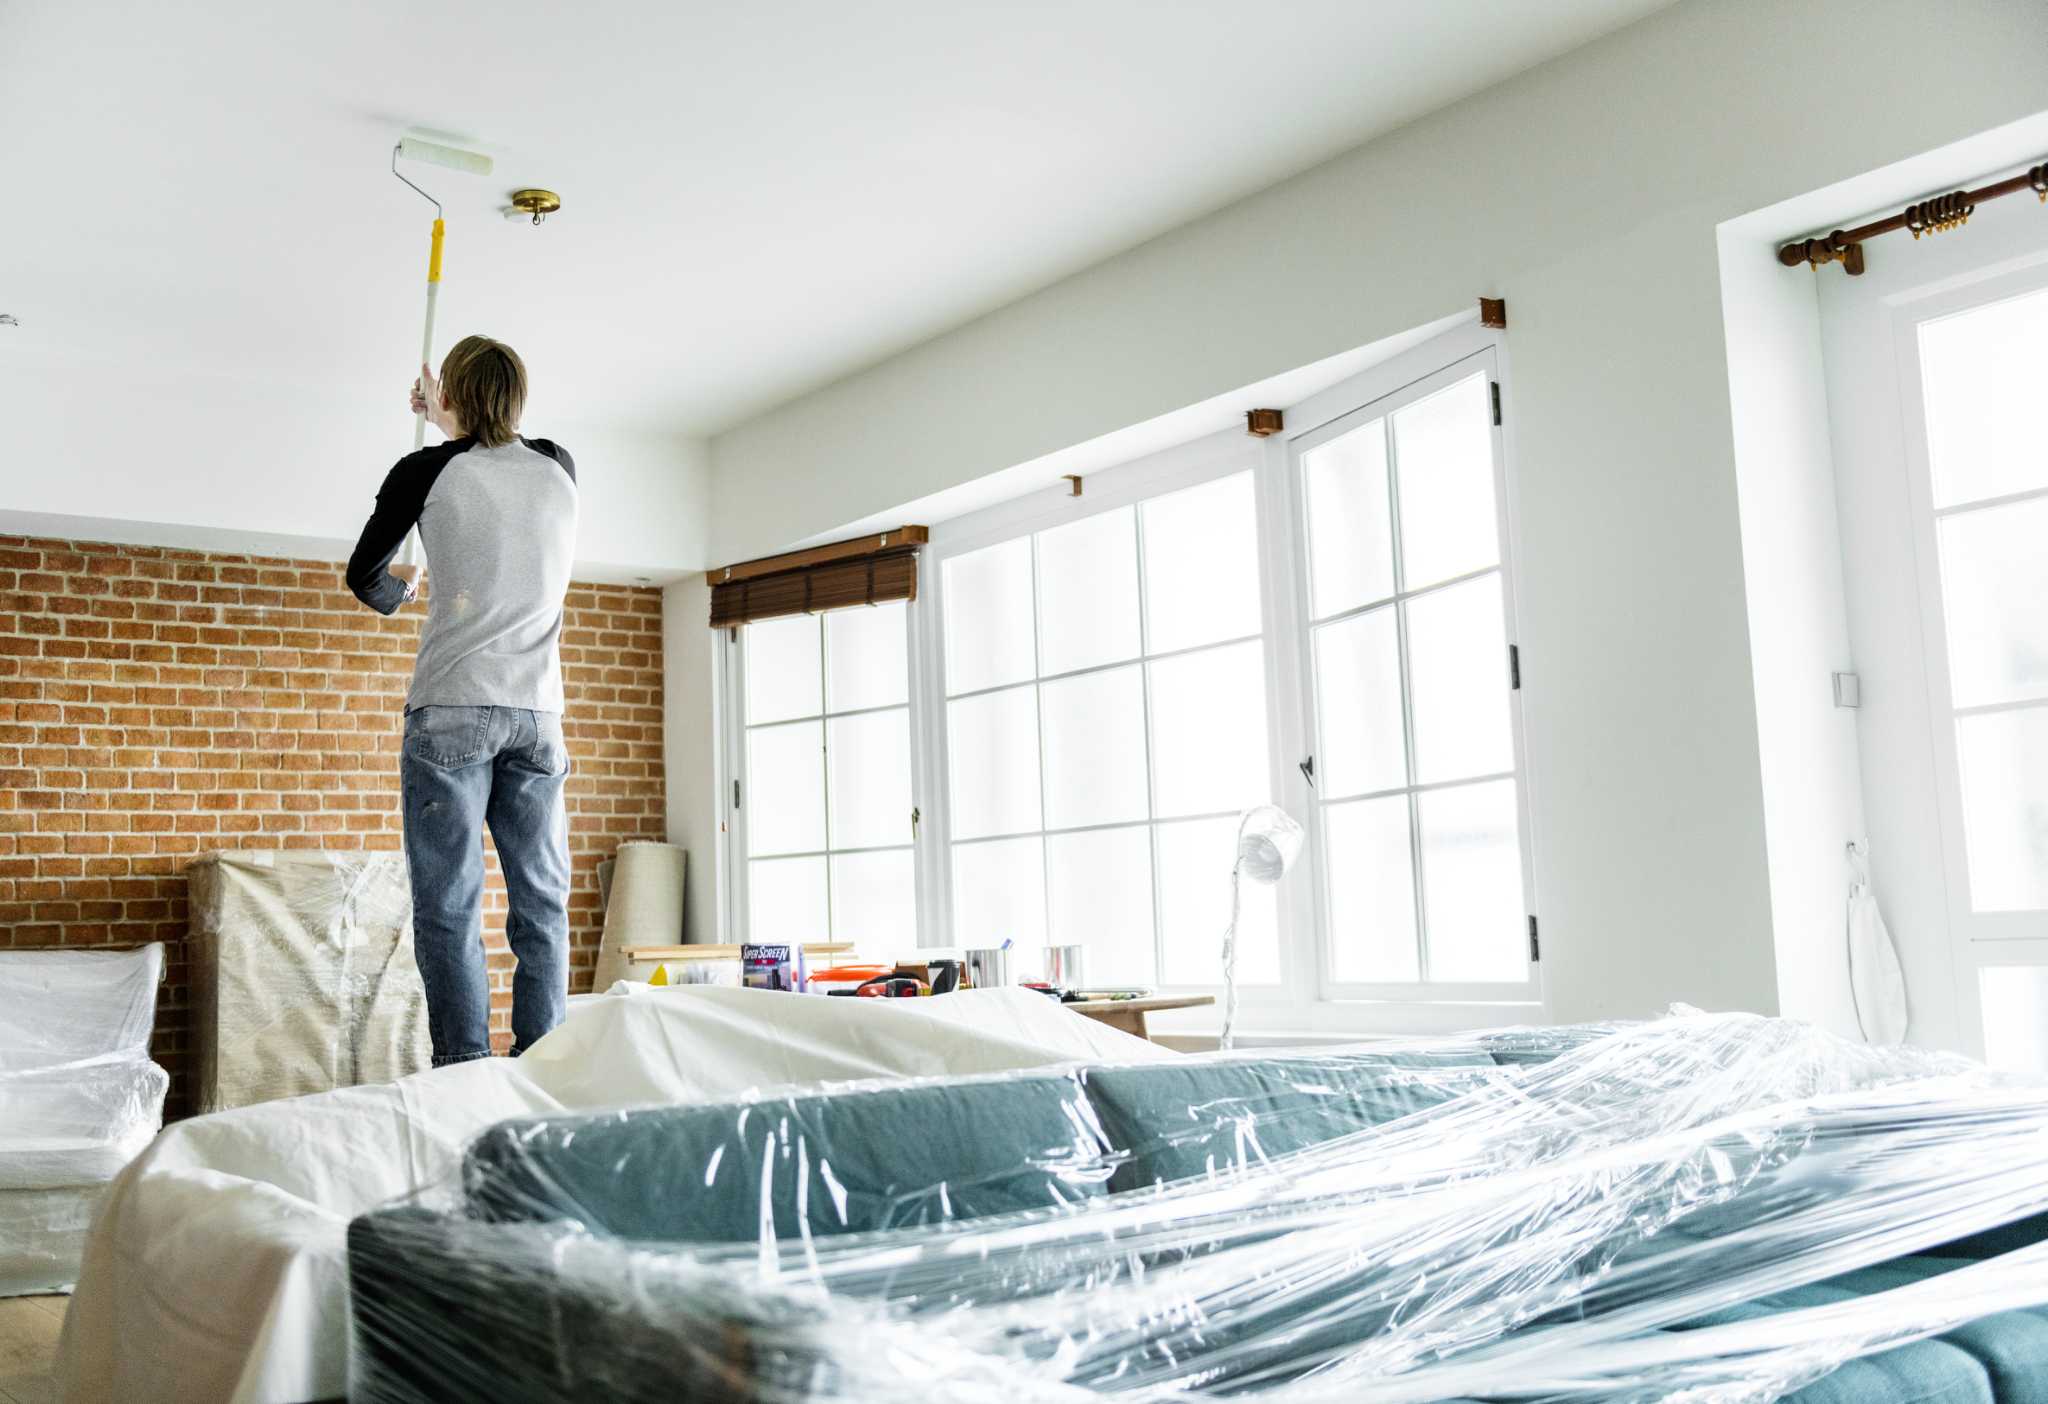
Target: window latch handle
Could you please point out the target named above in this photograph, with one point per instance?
(1308, 771)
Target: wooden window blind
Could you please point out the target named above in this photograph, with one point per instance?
(868, 570)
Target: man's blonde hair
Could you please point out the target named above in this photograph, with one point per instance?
(484, 382)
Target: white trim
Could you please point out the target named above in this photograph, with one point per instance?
(1433, 367)
(1977, 939)
(730, 680)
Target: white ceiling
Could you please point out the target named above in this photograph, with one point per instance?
(759, 198)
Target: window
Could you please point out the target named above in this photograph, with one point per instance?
(1105, 722)
(1980, 373)
(1416, 778)
(1095, 687)
(824, 779)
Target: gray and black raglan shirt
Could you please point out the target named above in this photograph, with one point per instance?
(499, 527)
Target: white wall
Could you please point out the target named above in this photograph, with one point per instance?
(1588, 192)
(690, 717)
(192, 459)
(1897, 728)
(1798, 619)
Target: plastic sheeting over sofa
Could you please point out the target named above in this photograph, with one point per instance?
(216, 1273)
(1703, 1208)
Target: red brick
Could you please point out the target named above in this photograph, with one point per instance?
(195, 702)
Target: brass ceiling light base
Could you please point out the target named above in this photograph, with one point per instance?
(538, 203)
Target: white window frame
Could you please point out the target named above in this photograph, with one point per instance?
(730, 682)
(1374, 395)
(1186, 466)
(1977, 939)
(1307, 1001)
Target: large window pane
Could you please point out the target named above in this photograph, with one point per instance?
(2015, 1016)
(1372, 891)
(782, 669)
(993, 750)
(1358, 704)
(1983, 371)
(786, 900)
(870, 767)
(999, 895)
(1102, 900)
(1472, 883)
(785, 800)
(1088, 592)
(866, 660)
(1209, 745)
(1202, 564)
(1350, 538)
(1443, 449)
(1194, 897)
(1994, 571)
(874, 901)
(1094, 748)
(2004, 759)
(988, 617)
(1458, 665)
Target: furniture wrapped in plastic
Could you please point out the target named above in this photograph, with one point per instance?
(79, 1098)
(303, 977)
(1705, 1207)
(216, 1268)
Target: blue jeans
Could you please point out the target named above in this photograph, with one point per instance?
(463, 768)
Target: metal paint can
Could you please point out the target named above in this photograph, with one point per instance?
(988, 966)
(1063, 967)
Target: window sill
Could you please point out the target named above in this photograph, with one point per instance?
(1335, 1021)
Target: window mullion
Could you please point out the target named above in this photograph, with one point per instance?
(1145, 699)
(1407, 698)
(738, 867)
(1038, 717)
(825, 761)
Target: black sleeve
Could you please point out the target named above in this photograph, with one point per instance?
(398, 507)
(555, 451)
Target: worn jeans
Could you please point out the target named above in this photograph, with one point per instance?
(463, 768)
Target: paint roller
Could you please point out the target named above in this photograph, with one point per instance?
(455, 159)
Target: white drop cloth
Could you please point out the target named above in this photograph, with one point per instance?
(215, 1270)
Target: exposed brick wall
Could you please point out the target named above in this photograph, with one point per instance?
(156, 705)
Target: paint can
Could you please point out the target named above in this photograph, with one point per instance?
(1063, 967)
(988, 966)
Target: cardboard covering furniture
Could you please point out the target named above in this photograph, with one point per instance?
(303, 977)
(79, 1098)
(1717, 1209)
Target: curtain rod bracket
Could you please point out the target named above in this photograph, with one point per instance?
(1817, 253)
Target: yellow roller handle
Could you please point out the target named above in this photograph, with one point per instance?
(434, 259)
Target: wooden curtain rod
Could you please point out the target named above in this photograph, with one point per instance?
(1929, 216)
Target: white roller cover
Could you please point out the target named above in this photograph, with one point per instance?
(453, 157)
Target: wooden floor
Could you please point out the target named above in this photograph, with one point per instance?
(28, 1348)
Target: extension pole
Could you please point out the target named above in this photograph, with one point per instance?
(419, 426)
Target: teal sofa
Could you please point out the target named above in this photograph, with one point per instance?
(494, 1298)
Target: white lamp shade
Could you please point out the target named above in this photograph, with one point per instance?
(1268, 842)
